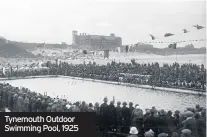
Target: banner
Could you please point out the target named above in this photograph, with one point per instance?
(47, 124)
(106, 53)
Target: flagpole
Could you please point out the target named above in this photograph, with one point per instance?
(176, 57)
(44, 52)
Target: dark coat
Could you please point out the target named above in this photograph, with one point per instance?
(118, 115)
(192, 125)
(151, 123)
(105, 115)
(112, 114)
(125, 113)
(201, 127)
(162, 124)
(171, 123)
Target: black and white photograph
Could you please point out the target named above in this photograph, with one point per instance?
(138, 65)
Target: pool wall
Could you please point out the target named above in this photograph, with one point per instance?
(109, 82)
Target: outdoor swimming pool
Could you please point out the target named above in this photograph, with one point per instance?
(91, 92)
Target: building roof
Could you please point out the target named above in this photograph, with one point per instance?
(2, 38)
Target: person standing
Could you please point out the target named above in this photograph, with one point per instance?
(125, 112)
(118, 115)
(105, 115)
(113, 115)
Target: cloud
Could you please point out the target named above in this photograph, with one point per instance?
(103, 24)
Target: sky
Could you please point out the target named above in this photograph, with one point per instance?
(52, 21)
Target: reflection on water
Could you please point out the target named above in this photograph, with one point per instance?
(79, 90)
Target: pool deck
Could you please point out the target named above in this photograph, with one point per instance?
(110, 82)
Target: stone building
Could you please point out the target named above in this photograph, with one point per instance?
(96, 42)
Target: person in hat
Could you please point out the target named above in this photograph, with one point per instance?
(15, 107)
(68, 108)
(162, 122)
(37, 105)
(90, 107)
(163, 135)
(76, 107)
(150, 122)
(147, 113)
(32, 104)
(26, 104)
(98, 115)
(125, 113)
(175, 134)
(171, 121)
(133, 132)
(187, 133)
(201, 125)
(198, 108)
(105, 115)
(149, 133)
(203, 114)
(118, 114)
(155, 110)
(20, 103)
(83, 107)
(131, 108)
(11, 101)
(190, 123)
(49, 107)
(112, 110)
(137, 117)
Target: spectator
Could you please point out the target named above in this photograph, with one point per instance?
(133, 132)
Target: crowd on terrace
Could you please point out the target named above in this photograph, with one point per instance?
(117, 118)
(187, 76)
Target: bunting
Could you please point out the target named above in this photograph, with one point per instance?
(184, 31)
(163, 42)
(153, 38)
(198, 27)
(168, 34)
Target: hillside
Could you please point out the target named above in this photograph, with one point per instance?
(33, 46)
(11, 50)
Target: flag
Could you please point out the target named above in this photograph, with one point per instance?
(173, 46)
(4, 71)
(168, 34)
(185, 31)
(198, 26)
(11, 70)
(153, 38)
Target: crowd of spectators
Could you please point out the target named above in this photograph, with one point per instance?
(119, 119)
(190, 76)
(185, 76)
